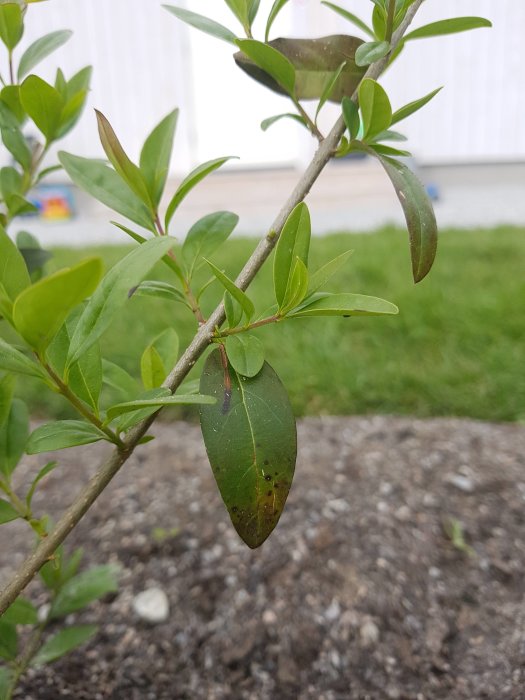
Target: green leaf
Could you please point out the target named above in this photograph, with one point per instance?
(161, 290)
(329, 88)
(205, 24)
(10, 98)
(43, 103)
(40, 310)
(346, 305)
(119, 380)
(13, 437)
(351, 18)
(267, 123)
(38, 478)
(190, 182)
(71, 113)
(379, 18)
(15, 141)
(240, 10)
(412, 107)
(158, 358)
(233, 310)
(270, 61)
(326, 272)
(40, 49)
(83, 589)
(375, 108)
(127, 170)
(156, 155)
(6, 681)
(8, 638)
(251, 441)
(371, 52)
(383, 150)
(245, 354)
(7, 512)
(419, 214)
(448, 26)
(21, 612)
(128, 420)
(113, 293)
(253, 9)
(63, 642)
(276, 8)
(294, 242)
(297, 288)
(84, 377)
(12, 360)
(389, 135)
(61, 435)
(11, 24)
(351, 117)
(104, 184)
(7, 387)
(14, 276)
(230, 286)
(206, 236)
(155, 404)
(314, 62)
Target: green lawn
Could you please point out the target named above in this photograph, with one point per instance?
(457, 347)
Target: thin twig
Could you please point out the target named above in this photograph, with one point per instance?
(118, 457)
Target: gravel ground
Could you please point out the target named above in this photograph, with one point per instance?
(359, 594)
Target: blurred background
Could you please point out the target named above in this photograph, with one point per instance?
(458, 346)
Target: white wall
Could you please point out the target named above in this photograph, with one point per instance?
(146, 62)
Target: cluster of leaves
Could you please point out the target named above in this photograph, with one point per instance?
(59, 320)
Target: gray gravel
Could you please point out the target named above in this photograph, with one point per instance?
(359, 594)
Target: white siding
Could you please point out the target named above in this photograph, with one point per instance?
(146, 62)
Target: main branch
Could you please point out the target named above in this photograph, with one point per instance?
(118, 457)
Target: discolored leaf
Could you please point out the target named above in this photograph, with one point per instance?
(251, 441)
(245, 353)
(314, 61)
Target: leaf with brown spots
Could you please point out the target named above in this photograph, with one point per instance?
(251, 442)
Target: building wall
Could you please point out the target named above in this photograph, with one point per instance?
(146, 62)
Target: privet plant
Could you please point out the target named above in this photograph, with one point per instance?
(56, 322)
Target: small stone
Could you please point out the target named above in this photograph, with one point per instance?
(403, 514)
(152, 605)
(463, 483)
(269, 618)
(333, 611)
(369, 634)
(43, 612)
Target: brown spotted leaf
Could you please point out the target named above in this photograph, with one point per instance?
(315, 62)
(251, 441)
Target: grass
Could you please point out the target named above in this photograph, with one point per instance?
(457, 347)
